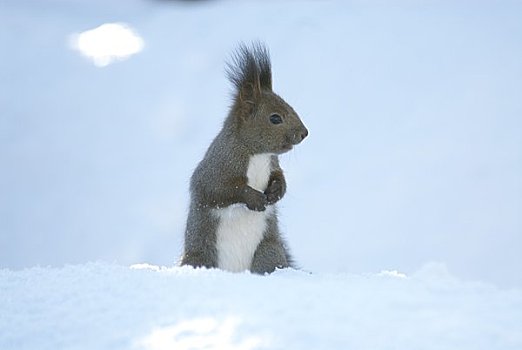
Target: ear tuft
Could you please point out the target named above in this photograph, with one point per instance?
(250, 70)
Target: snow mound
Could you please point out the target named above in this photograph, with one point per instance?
(107, 306)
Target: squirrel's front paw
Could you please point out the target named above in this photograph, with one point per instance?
(255, 200)
(274, 191)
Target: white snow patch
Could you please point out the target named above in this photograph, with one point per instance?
(201, 333)
(392, 273)
(104, 306)
(145, 266)
(108, 43)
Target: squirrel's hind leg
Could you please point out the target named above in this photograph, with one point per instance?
(271, 253)
(200, 239)
(199, 259)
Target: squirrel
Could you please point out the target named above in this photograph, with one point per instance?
(232, 222)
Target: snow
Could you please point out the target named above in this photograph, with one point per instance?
(107, 43)
(414, 155)
(109, 306)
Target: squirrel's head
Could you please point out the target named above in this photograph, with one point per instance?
(262, 120)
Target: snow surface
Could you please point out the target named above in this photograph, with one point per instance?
(414, 155)
(106, 306)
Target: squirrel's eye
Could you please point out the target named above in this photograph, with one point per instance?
(276, 119)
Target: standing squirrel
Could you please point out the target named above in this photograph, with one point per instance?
(232, 222)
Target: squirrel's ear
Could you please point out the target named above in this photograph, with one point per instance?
(250, 72)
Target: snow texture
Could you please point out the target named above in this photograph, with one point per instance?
(106, 306)
(414, 155)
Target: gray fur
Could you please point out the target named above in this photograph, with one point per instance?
(220, 179)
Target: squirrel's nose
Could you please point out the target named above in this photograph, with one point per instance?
(300, 136)
(304, 134)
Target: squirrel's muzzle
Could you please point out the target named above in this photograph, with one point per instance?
(299, 135)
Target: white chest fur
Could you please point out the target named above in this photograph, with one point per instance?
(258, 172)
(240, 230)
